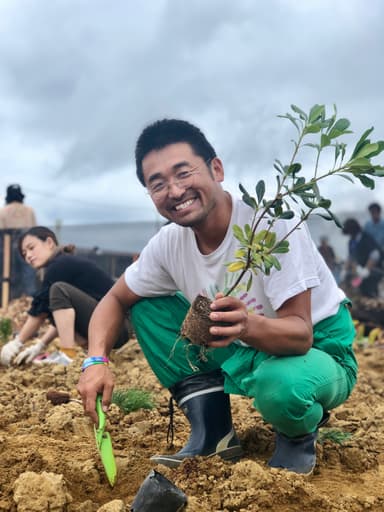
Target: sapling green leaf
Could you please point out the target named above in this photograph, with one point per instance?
(324, 141)
(301, 113)
(362, 142)
(367, 182)
(312, 128)
(317, 112)
(260, 190)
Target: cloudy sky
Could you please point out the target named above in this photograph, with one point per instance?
(79, 79)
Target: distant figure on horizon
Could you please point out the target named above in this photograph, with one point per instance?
(16, 215)
(364, 268)
(375, 226)
(329, 256)
(327, 252)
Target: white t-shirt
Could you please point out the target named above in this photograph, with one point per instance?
(172, 262)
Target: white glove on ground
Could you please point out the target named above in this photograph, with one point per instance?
(10, 350)
(362, 272)
(29, 354)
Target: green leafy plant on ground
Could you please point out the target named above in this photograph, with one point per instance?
(297, 194)
(334, 435)
(5, 329)
(129, 400)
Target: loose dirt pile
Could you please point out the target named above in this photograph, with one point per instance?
(49, 461)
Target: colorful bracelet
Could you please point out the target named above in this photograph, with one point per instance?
(89, 361)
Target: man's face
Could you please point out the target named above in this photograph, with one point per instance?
(375, 215)
(183, 187)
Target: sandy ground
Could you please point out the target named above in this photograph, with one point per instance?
(49, 461)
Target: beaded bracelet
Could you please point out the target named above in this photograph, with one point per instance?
(89, 361)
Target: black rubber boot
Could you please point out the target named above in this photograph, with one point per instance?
(297, 454)
(202, 399)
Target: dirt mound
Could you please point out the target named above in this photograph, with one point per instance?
(49, 461)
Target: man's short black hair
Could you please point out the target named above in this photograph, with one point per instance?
(374, 206)
(161, 133)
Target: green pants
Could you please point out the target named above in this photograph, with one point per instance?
(290, 392)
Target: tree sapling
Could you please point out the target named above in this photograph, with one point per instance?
(296, 197)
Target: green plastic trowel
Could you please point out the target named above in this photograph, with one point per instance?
(104, 445)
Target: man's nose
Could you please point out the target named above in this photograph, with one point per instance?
(175, 189)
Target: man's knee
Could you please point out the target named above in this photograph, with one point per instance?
(280, 393)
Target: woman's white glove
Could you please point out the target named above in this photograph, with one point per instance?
(29, 354)
(10, 350)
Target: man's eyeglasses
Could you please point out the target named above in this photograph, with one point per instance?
(159, 187)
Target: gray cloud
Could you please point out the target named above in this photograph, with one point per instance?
(80, 79)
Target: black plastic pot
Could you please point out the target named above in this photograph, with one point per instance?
(158, 494)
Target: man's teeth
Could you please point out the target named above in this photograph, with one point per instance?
(182, 206)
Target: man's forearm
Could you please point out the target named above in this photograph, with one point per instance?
(105, 325)
(279, 336)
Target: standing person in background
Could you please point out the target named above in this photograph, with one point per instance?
(328, 254)
(375, 226)
(15, 216)
(365, 259)
(71, 288)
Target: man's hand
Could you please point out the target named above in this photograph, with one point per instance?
(232, 312)
(28, 354)
(94, 380)
(10, 350)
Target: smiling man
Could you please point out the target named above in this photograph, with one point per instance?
(286, 342)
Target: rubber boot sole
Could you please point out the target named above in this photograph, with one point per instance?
(231, 454)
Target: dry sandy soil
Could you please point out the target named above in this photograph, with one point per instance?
(49, 461)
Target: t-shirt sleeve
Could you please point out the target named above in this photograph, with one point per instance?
(57, 271)
(299, 266)
(149, 275)
(40, 302)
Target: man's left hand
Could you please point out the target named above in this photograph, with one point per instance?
(233, 313)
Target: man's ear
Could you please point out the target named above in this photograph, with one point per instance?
(217, 169)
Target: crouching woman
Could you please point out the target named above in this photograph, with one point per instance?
(71, 288)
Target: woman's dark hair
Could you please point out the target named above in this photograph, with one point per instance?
(43, 233)
(14, 193)
(351, 227)
(170, 131)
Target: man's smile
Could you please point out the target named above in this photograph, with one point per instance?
(184, 205)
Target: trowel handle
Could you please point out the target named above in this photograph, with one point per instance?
(100, 413)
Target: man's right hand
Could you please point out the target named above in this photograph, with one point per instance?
(94, 380)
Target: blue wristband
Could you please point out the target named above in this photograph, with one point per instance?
(89, 361)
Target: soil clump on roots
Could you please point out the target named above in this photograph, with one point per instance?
(197, 323)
